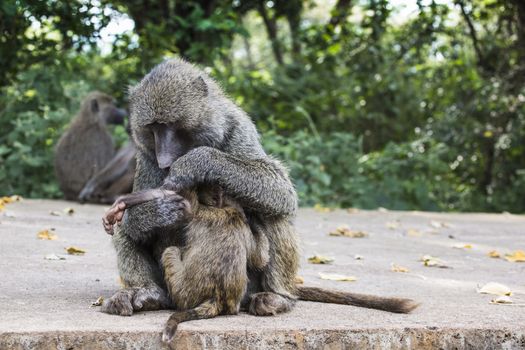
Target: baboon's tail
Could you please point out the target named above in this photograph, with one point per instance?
(399, 305)
(208, 309)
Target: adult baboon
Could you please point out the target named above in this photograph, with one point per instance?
(189, 134)
(86, 147)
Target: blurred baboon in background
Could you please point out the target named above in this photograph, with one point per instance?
(87, 146)
(114, 179)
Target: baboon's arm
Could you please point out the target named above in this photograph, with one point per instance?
(113, 171)
(145, 220)
(261, 185)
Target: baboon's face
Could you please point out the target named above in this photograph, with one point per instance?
(170, 116)
(103, 107)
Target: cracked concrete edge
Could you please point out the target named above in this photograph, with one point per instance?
(392, 339)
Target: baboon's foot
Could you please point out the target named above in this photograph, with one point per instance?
(150, 298)
(127, 300)
(269, 304)
(120, 303)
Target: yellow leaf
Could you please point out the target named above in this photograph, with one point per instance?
(298, 280)
(46, 234)
(517, 256)
(98, 302)
(319, 259)
(414, 233)
(397, 268)
(346, 232)
(488, 134)
(462, 246)
(337, 277)
(69, 211)
(319, 208)
(503, 299)
(393, 225)
(75, 251)
(495, 288)
(494, 254)
(2, 206)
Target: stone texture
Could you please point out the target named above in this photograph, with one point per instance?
(46, 304)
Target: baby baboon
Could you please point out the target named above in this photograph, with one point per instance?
(208, 275)
(86, 147)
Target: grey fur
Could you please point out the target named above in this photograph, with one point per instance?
(226, 152)
(86, 146)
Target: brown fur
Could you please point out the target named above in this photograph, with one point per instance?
(208, 276)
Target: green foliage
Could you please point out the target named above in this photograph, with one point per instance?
(424, 114)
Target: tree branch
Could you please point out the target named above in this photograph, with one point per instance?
(271, 29)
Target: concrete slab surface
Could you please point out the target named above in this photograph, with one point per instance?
(46, 304)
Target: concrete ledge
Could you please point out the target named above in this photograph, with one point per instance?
(46, 303)
(403, 338)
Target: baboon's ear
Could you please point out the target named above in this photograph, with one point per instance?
(200, 86)
(94, 106)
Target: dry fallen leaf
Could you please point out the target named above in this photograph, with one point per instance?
(352, 210)
(75, 251)
(494, 254)
(503, 299)
(54, 257)
(393, 224)
(462, 246)
(54, 213)
(397, 268)
(298, 280)
(319, 208)
(346, 232)
(319, 259)
(414, 233)
(337, 277)
(382, 210)
(495, 288)
(69, 211)
(432, 261)
(358, 257)
(98, 302)
(517, 256)
(437, 224)
(46, 234)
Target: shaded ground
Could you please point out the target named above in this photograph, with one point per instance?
(46, 303)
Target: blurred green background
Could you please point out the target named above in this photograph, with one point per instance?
(400, 104)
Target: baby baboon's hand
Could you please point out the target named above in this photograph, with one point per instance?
(113, 216)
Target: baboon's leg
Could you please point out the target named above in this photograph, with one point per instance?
(173, 269)
(278, 277)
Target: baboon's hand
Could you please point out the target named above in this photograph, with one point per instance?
(170, 210)
(113, 216)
